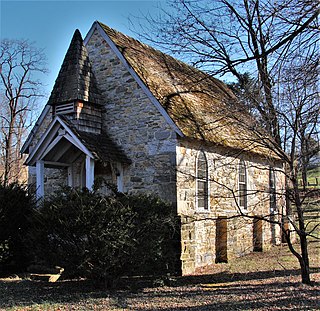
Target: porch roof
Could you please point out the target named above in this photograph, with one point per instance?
(100, 145)
(62, 136)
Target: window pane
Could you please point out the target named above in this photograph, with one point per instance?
(242, 185)
(200, 203)
(242, 178)
(272, 185)
(242, 189)
(201, 186)
(202, 182)
(202, 174)
(242, 202)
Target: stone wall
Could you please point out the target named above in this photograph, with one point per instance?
(199, 228)
(133, 121)
(54, 178)
(166, 165)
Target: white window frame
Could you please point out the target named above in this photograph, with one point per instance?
(272, 190)
(242, 165)
(198, 208)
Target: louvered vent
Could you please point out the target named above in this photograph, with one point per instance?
(64, 108)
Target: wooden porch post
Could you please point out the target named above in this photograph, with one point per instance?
(89, 172)
(70, 176)
(119, 177)
(40, 179)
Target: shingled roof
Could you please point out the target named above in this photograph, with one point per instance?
(202, 107)
(100, 145)
(76, 80)
(103, 147)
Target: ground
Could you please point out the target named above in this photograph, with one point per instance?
(259, 281)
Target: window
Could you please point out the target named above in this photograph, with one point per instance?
(273, 206)
(202, 187)
(242, 185)
(272, 189)
(222, 240)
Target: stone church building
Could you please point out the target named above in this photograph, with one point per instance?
(147, 122)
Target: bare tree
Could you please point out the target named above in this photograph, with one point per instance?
(299, 100)
(276, 44)
(20, 63)
(229, 37)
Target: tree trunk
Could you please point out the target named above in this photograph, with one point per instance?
(8, 154)
(304, 177)
(304, 261)
(304, 258)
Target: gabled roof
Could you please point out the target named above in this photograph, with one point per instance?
(201, 106)
(99, 147)
(76, 80)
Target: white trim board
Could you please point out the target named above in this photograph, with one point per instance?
(47, 141)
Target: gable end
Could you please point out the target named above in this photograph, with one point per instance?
(154, 101)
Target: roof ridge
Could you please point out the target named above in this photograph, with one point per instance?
(201, 106)
(172, 58)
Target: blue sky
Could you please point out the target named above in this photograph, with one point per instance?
(51, 24)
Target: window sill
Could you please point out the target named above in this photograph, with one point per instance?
(202, 211)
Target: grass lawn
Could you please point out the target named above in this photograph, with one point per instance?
(312, 176)
(259, 281)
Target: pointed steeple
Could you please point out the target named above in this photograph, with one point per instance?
(76, 80)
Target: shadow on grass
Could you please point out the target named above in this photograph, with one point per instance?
(224, 277)
(274, 296)
(250, 295)
(26, 292)
(198, 288)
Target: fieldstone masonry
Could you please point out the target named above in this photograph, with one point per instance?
(199, 228)
(135, 124)
(165, 164)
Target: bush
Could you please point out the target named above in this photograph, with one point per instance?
(104, 237)
(156, 233)
(16, 204)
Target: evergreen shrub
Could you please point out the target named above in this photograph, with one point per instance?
(105, 237)
(16, 205)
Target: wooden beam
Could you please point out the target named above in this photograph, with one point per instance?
(53, 163)
(89, 172)
(51, 146)
(74, 155)
(42, 144)
(75, 141)
(62, 150)
(70, 176)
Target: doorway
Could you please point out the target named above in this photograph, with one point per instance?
(257, 235)
(221, 240)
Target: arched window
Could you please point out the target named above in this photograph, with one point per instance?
(273, 203)
(242, 185)
(202, 187)
(272, 189)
